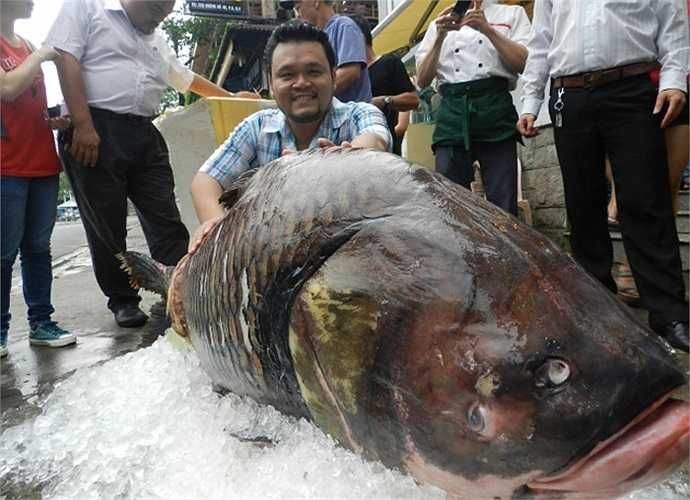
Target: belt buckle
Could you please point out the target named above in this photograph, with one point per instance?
(587, 81)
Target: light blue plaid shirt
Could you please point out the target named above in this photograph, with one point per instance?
(261, 137)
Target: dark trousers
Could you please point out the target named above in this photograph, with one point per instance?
(498, 168)
(132, 163)
(617, 120)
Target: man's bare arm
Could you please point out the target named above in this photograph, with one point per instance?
(400, 102)
(369, 140)
(205, 194)
(345, 76)
(206, 88)
(85, 139)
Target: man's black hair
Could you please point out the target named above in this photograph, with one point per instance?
(298, 31)
(363, 26)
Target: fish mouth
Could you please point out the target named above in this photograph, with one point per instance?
(645, 451)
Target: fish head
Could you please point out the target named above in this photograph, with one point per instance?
(535, 381)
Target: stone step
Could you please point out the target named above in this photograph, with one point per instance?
(683, 221)
(684, 200)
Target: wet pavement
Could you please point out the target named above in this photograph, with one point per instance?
(30, 373)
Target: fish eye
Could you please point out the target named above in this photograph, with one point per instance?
(553, 373)
(476, 418)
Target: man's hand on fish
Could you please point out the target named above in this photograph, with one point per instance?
(330, 146)
(201, 232)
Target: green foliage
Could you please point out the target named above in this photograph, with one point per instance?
(184, 33)
(64, 189)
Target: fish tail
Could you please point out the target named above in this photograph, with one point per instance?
(146, 273)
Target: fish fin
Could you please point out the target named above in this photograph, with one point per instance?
(146, 273)
(238, 186)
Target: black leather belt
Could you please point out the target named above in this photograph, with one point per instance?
(594, 79)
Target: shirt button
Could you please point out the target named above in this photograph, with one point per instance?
(481, 42)
(457, 50)
(457, 69)
(481, 65)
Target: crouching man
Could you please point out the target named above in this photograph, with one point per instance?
(301, 65)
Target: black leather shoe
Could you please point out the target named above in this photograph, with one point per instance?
(676, 334)
(130, 316)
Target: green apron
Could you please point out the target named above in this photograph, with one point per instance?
(478, 111)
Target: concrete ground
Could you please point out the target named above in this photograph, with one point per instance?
(30, 373)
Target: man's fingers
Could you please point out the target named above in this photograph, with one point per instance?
(660, 100)
(672, 112)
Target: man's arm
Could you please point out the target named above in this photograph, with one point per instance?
(85, 139)
(14, 83)
(345, 76)
(427, 61)
(536, 68)
(206, 88)
(400, 102)
(370, 140)
(674, 55)
(511, 53)
(205, 194)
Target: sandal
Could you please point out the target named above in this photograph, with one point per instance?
(625, 283)
(613, 223)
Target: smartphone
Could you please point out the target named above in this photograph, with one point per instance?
(461, 7)
(54, 111)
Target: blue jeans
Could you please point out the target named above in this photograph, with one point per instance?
(29, 206)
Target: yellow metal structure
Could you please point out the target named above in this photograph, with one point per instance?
(406, 24)
(228, 112)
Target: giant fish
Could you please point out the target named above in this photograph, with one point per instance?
(422, 327)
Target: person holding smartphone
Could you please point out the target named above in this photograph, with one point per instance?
(473, 52)
(29, 171)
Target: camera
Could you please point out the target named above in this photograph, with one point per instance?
(461, 7)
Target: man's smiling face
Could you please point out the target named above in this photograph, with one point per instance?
(302, 81)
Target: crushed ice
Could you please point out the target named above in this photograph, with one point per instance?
(148, 425)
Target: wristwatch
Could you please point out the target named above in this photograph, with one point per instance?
(387, 100)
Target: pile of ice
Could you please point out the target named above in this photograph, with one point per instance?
(148, 425)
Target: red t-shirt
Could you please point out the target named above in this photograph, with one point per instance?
(27, 148)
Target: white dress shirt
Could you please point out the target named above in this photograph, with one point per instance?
(467, 55)
(576, 36)
(124, 70)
